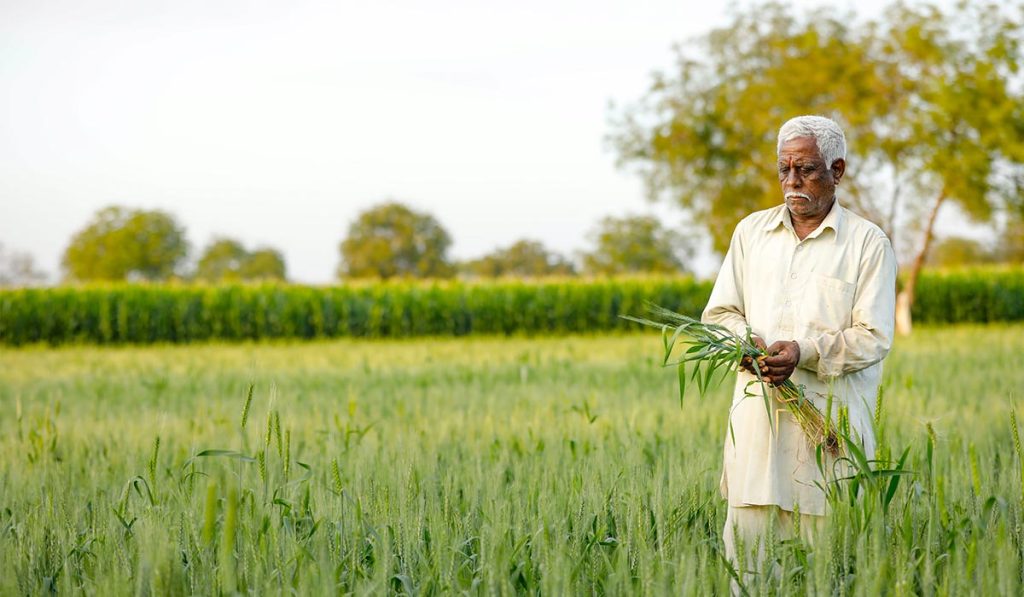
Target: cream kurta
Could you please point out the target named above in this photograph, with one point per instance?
(834, 294)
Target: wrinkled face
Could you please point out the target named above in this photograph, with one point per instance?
(808, 184)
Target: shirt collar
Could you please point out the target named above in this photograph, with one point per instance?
(833, 220)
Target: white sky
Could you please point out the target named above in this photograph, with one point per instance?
(277, 122)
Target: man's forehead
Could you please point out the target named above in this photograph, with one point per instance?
(799, 147)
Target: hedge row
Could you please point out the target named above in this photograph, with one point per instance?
(970, 295)
(160, 313)
(157, 313)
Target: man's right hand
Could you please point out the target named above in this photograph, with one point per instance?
(747, 362)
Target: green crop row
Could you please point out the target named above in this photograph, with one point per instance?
(976, 295)
(167, 313)
(160, 313)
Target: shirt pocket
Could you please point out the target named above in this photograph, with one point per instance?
(828, 304)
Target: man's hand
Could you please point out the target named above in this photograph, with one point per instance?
(782, 360)
(747, 362)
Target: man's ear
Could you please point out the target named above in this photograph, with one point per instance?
(838, 169)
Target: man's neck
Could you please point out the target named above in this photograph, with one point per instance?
(804, 226)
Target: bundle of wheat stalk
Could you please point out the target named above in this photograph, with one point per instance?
(714, 348)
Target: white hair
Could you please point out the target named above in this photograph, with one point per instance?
(827, 134)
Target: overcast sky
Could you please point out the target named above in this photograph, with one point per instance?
(277, 122)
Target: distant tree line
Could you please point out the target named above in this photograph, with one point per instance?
(392, 240)
(386, 241)
(121, 243)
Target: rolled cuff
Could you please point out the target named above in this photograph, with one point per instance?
(808, 355)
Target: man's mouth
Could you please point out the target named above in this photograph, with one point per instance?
(800, 195)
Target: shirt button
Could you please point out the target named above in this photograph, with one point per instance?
(798, 247)
(793, 276)
(787, 302)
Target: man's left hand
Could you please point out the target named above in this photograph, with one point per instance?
(782, 360)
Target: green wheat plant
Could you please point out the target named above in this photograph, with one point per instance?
(713, 349)
(436, 467)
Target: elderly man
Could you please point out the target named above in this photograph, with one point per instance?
(816, 284)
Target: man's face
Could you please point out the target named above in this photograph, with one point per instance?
(808, 184)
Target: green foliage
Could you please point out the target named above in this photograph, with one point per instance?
(480, 466)
(962, 134)
(221, 260)
(393, 241)
(522, 259)
(926, 98)
(635, 244)
(226, 259)
(126, 244)
(263, 264)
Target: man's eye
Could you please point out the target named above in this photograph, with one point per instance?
(807, 170)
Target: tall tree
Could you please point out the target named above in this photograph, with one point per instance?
(704, 136)
(263, 263)
(635, 244)
(221, 260)
(228, 259)
(932, 117)
(392, 240)
(126, 244)
(523, 258)
(967, 124)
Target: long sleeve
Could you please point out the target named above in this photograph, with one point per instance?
(869, 337)
(725, 307)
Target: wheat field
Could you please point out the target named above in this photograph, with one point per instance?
(472, 466)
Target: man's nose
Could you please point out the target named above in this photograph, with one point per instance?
(792, 178)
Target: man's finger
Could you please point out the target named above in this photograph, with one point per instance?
(774, 371)
(779, 360)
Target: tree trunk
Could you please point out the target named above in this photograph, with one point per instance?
(905, 299)
(890, 224)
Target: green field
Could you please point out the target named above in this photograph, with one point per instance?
(478, 465)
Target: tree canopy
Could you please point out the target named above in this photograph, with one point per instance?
(126, 244)
(524, 258)
(263, 263)
(635, 244)
(392, 240)
(228, 259)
